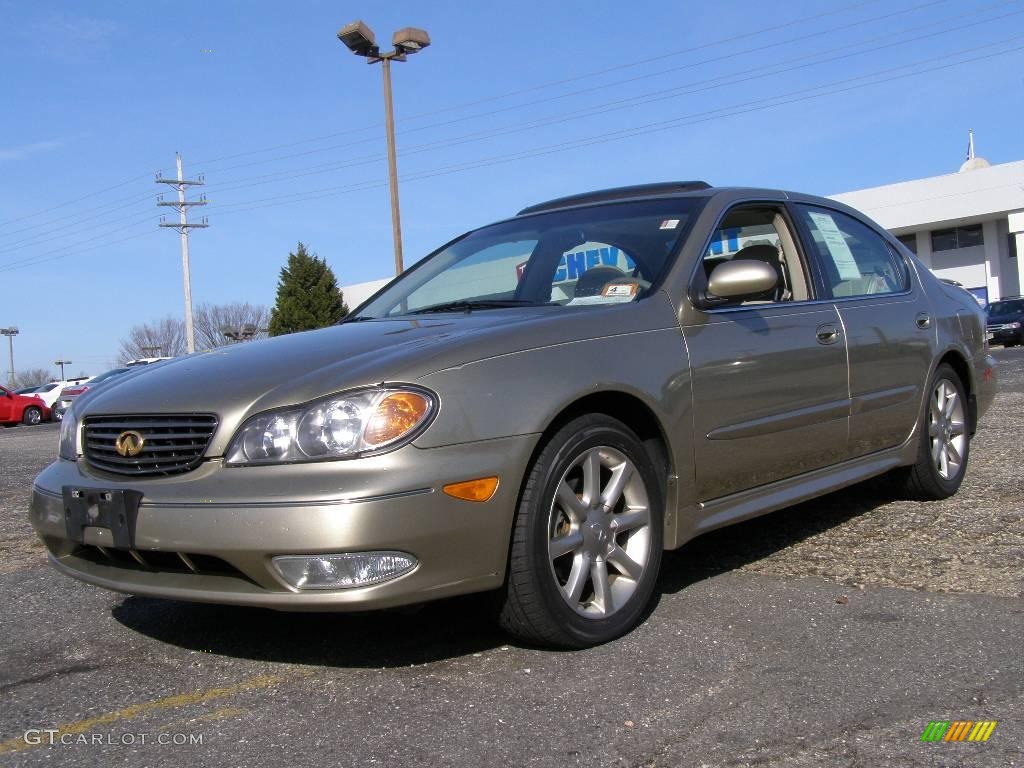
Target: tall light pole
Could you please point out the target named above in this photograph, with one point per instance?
(62, 363)
(10, 333)
(360, 39)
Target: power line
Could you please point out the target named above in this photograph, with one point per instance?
(642, 98)
(686, 89)
(745, 35)
(563, 81)
(791, 97)
(785, 99)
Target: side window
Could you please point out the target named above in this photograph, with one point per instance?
(760, 233)
(855, 260)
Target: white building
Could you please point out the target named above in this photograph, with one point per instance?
(966, 226)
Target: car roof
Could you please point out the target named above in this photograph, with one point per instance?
(673, 189)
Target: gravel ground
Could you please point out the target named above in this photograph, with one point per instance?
(24, 452)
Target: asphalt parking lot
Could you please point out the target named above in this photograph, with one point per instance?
(827, 634)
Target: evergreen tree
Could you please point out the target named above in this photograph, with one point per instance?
(307, 295)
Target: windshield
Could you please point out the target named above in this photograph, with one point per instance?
(584, 257)
(1005, 307)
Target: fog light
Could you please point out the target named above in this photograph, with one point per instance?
(351, 569)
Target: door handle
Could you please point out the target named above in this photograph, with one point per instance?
(827, 334)
(924, 321)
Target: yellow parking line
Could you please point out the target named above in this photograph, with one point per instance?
(168, 702)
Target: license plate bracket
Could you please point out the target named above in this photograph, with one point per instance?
(117, 511)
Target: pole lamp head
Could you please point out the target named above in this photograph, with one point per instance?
(12, 331)
(359, 39)
(410, 40)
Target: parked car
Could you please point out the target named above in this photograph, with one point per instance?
(1006, 321)
(26, 390)
(69, 394)
(49, 393)
(25, 409)
(540, 407)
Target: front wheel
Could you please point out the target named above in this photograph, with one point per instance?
(32, 416)
(587, 539)
(944, 440)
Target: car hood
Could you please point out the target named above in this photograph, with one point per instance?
(237, 381)
(1007, 318)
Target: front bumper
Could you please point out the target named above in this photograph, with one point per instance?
(1000, 334)
(209, 535)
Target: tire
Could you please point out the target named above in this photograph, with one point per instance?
(31, 416)
(56, 414)
(578, 576)
(936, 474)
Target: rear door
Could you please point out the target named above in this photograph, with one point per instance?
(769, 376)
(885, 317)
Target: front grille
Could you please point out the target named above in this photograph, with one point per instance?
(171, 444)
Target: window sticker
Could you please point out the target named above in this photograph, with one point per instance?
(840, 252)
(669, 224)
(623, 291)
(619, 292)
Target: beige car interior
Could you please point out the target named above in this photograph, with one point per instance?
(765, 237)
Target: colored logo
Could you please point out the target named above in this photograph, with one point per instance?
(958, 730)
(129, 443)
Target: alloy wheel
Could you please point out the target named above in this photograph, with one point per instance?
(599, 532)
(947, 429)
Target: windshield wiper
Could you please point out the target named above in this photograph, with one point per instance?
(469, 305)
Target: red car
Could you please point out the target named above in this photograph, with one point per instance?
(23, 408)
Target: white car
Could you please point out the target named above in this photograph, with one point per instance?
(50, 392)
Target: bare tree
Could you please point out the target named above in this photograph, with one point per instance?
(33, 377)
(165, 337)
(242, 319)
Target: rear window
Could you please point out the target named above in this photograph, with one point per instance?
(855, 259)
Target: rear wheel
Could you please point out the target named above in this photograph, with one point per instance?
(32, 415)
(945, 441)
(587, 540)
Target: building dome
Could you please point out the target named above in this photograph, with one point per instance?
(974, 164)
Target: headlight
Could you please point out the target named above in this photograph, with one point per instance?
(1013, 325)
(69, 436)
(344, 426)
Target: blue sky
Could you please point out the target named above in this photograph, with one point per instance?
(512, 104)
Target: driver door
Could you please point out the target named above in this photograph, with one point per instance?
(770, 379)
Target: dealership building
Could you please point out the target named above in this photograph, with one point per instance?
(966, 226)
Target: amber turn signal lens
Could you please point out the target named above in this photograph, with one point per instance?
(396, 415)
(473, 490)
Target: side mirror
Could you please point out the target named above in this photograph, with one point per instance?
(740, 279)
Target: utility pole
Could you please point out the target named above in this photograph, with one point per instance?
(183, 226)
(10, 333)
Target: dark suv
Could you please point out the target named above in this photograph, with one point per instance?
(1005, 321)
